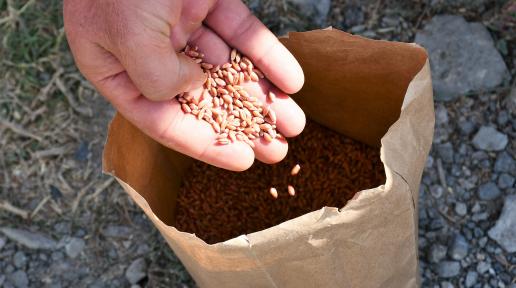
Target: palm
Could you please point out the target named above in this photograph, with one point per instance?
(213, 26)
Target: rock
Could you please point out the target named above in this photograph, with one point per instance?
(136, 271)
(317, 10)
(74, 247)
(445, 152)
(2, 242)
(354, 15)
(502, 118)
(461, 208)
(436, 191)
(19, 279)
(488, 191)
(504, 231)
(466, 127)
(2, 280)
(505, 181)
(448, 269)
(446, 284)
(83, 151)
(117, 231)
(489, 139)
(437, 253)
(459, 248)
(471, 279)
(505, 163)
(19, 260)
(483, 267)
(455, 73)
(29, 239)
(441, 115)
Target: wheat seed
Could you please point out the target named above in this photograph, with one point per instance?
(274, 192)
(291, 190)
(295, 170)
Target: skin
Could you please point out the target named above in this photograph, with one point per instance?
(128, 49)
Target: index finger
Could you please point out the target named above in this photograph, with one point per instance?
(233, 21)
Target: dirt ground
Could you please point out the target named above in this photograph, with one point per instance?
(53, 127)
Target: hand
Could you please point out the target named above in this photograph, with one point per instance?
(129, 50)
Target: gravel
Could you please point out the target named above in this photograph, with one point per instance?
(19, 259)
(483, 267)
(2, 242)
(504, 232)
(471, 279)
(455, 73)
(488, 191)
(461, 208)
(317, 10)
(74, 247)
(505, 181)
(459, 248)
(489, 139)
(19, 279)
(505, 163)
(437, 253)
(29, 239)
(448, 269)
(136, 271)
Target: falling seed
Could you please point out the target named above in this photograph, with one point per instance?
(291, 190)
(274, 192)
(295, 170)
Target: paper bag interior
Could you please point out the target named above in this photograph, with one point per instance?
(353, 85)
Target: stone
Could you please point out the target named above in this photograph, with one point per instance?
(19, 260)
(483, 267)
(19, 279)
(437, 253)
(445, 152)
(466, 127)
(488, 191)
(502, 118)
(459, 248)
(471, 279)
(117, 231)
(83, 152)
(136, 271)
(455, 73)
(436, 191)
(446, 284)
(74, 247)
(448, 269)
(505, 181)
(504, 231)
(317, 10)
(29, 239)
(441, 115)
(2, 242)
(489, 139)
(505, 163)
(461, 208)
(354, 16)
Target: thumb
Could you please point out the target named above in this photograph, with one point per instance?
(156, 69)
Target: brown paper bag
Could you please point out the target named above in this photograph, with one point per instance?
(376, 92)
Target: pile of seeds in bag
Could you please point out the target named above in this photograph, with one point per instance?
(218, 205)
